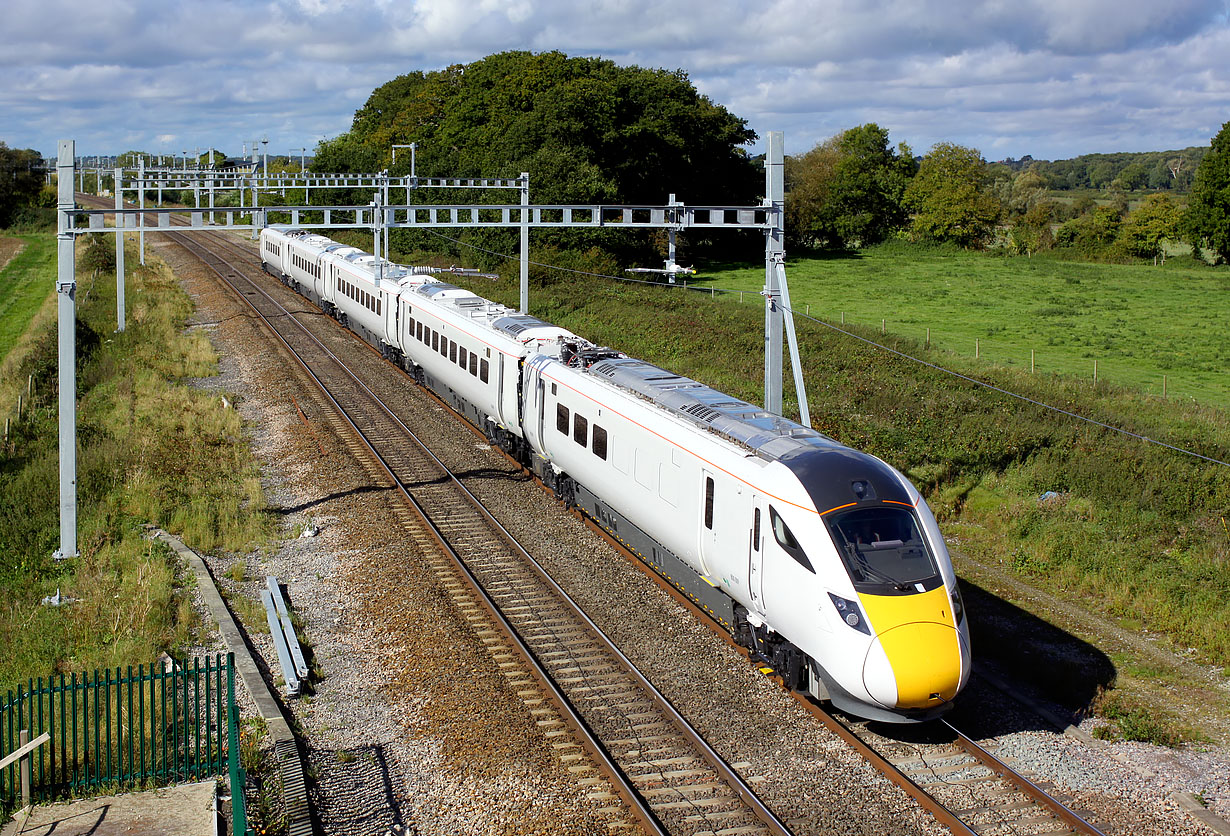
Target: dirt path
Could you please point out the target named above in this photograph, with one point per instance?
(9, 249)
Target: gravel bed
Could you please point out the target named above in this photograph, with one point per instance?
(408, 721)
(394, 736)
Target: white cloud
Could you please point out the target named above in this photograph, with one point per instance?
(1048, 77)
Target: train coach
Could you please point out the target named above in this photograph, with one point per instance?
(822, 560)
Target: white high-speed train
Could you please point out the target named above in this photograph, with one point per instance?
(823, 560)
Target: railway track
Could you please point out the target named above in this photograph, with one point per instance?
(633, 736)
(641, 747)
(965, 785)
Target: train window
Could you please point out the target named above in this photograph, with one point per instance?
(561, 418)
(756, 530)
(418, 331)
(452, 352)
(883, 546)
(580, 430)
(709, 503)
(599, 442)
(552, 388)
(435, 340)
(474, 364)
(785, 538)
(462, 357)
(444, 341)
(482, 371)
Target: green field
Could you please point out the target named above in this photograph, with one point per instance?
(1139, 322)
(25, 282)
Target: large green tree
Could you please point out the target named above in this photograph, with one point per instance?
(1208, 209)
(586, 129)
(951, 197)
(21, 181)
(1146, 230)
(848, 190)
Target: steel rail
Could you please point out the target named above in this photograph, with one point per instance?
(1029, 788)
(925, 799)
(711, 756)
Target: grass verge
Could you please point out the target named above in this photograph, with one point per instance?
(150, 449)
(1139, 322)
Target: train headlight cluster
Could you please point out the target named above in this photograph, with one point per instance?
(958, 606)
(850, 613)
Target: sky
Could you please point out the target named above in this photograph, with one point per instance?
(1053, 79)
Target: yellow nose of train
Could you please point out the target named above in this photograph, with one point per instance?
(915, 659)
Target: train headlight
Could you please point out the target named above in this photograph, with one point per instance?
(849, 612)
(958, 606)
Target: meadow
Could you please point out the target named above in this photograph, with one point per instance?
(1139, 322)
(27, 282)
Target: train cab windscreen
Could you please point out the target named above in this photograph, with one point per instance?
(884, 550)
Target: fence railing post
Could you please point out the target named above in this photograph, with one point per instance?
(23, 737)
(239, 816)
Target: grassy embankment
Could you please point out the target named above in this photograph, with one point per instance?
(27, 290)
(1139, 322)
(1137, 532)
(151, 449)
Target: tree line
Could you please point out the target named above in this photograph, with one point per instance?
(22, 192)
(855, 190)
(1156, 170)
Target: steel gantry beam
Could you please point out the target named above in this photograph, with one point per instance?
(379, 217)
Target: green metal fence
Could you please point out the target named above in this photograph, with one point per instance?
(120, 729)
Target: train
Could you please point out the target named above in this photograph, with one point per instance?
(823, 561)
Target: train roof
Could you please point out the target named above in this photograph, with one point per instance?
(833, 474)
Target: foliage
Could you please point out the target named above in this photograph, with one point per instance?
(1208, 209)
(1160, 170)
(1031, 232)
(21, 181)
(1146, 230)
(1134, 176)
(847, 192)
(98, 253)
(950, 198)
(1092, 233)
(1129, 720)
(586, 129)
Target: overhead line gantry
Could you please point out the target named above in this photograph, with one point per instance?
(379, 217)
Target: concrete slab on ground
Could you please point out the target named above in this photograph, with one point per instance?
(183, 810)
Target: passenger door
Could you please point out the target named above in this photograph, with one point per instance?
(755, 555)
(708, 522)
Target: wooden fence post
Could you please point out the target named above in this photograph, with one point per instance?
(22, 739)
